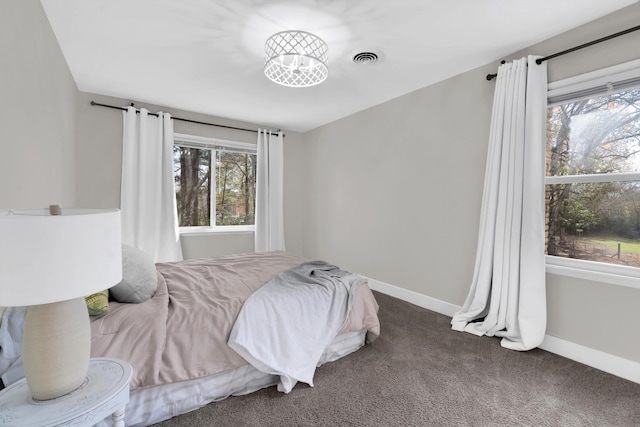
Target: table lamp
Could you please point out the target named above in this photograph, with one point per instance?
(50, 259)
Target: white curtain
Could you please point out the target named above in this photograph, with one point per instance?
(147, 198)
(269, 234)
(507, 295)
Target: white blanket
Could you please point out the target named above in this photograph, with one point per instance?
(11, 329)
(317, 297)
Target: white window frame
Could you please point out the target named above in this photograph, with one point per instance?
(619, 77)
(214, 144)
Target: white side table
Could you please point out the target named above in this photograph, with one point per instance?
(105, 392)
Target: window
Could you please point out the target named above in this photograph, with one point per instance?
(593, 171)
(215, 182)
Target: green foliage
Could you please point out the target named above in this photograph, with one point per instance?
(234, 176)
(235, 188)
(627, 245)
(595, 136)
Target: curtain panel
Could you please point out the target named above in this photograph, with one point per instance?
(147, 198)
(507, 296)
(269, 232)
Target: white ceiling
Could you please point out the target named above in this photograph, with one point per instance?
(207, 56)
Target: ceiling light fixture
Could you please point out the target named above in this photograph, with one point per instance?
(296, 59)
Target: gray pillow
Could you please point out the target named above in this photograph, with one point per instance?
(139, 277)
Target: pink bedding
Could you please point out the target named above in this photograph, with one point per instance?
(181, 333)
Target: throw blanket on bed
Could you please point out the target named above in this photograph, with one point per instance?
(284, 327)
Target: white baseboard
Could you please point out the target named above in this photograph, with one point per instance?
(412, 297)
(615, 365)
(610, 363)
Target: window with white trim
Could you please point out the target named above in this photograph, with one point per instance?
(215, 182)
(593, 172)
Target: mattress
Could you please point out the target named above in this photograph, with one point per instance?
(158, 403)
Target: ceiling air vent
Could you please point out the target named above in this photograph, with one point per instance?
(366, 57)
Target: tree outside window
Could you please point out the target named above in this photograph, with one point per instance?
(214, 183)
(593, 179)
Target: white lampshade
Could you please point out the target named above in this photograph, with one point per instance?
(48, 258)
(50, 263)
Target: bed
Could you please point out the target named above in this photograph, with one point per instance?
(224, 326)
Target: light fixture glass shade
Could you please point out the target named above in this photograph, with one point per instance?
(50, 263)
(296, 59)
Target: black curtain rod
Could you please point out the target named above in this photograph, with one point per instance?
(178, 118)
(582, 46)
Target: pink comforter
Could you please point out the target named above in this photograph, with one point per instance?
(181, 333)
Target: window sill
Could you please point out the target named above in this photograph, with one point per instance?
(606, 273)
(210, 231)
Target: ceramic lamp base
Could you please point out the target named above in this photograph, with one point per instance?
(56, 348)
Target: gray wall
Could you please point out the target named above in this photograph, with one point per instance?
(37, 111)
(395, 192)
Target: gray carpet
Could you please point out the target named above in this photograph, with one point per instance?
(421, 373)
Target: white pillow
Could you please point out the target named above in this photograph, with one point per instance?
(139, 277)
